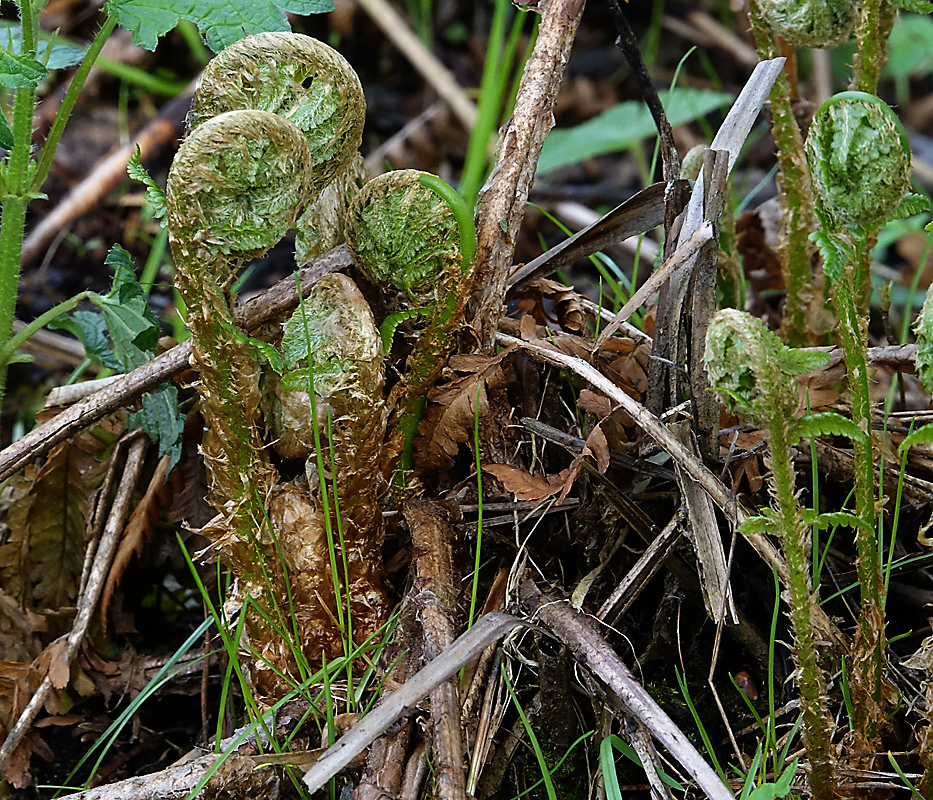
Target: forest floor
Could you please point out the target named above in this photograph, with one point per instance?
(573, 510)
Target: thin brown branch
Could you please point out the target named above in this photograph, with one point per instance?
(436, 600)
(502, 201)
(594, 653)
(261, 309)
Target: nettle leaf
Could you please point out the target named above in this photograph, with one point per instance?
(222, 22)
(922, 435)
(89, 328)
(52, 54)
(828, 423)
(20, 72)
(154, 193)
(161, 419)
(130, 321)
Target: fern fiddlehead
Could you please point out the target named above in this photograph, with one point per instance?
(275, 119)
(860, 162)
(754, 372)
(413, 236)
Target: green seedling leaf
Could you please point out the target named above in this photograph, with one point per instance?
(130, 321)
(834, 519)
(20, 72)
(222, 22)
(828, 423)
(836, 253)
(778, 790)
(922, 435)
(89, 328)
(160, 418)
(623, 125)
(911, 204)
(391, 322)
(800, 362)
(154, 193)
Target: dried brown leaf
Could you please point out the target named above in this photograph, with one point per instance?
(523, 484)
(452, 407)
(595, 403)
(48, 543)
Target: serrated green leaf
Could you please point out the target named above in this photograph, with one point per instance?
(222, 22)
(130, 321)
(922, 435)
(916, 6)
(911, 204)
(836, 252)
(160, 418)
(6, 135)
(154, 193)
(20, 72)
(623, 125)
(90, 329)
(839, 519)
(828, 423)
(763, 525)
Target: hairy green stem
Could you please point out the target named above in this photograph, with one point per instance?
(818, 725)
(796, 195)
(17, 190)
(754, 372)
(9, 348)
(849, 295)
(875, 20)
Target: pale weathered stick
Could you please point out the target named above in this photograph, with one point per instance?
(432, 70)
(106, 175)
(593, 652)
(261, 309)
(487, 630)
(502, 200)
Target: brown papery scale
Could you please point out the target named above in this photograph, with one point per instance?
(333, 354)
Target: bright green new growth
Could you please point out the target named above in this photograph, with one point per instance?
(753, 368)
(859, 160)
(923, 328)
(299, 78)
(810, 23)
(860, 163)
(404, 236)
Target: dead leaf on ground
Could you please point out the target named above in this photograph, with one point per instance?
(450, 416)
(525, 486)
